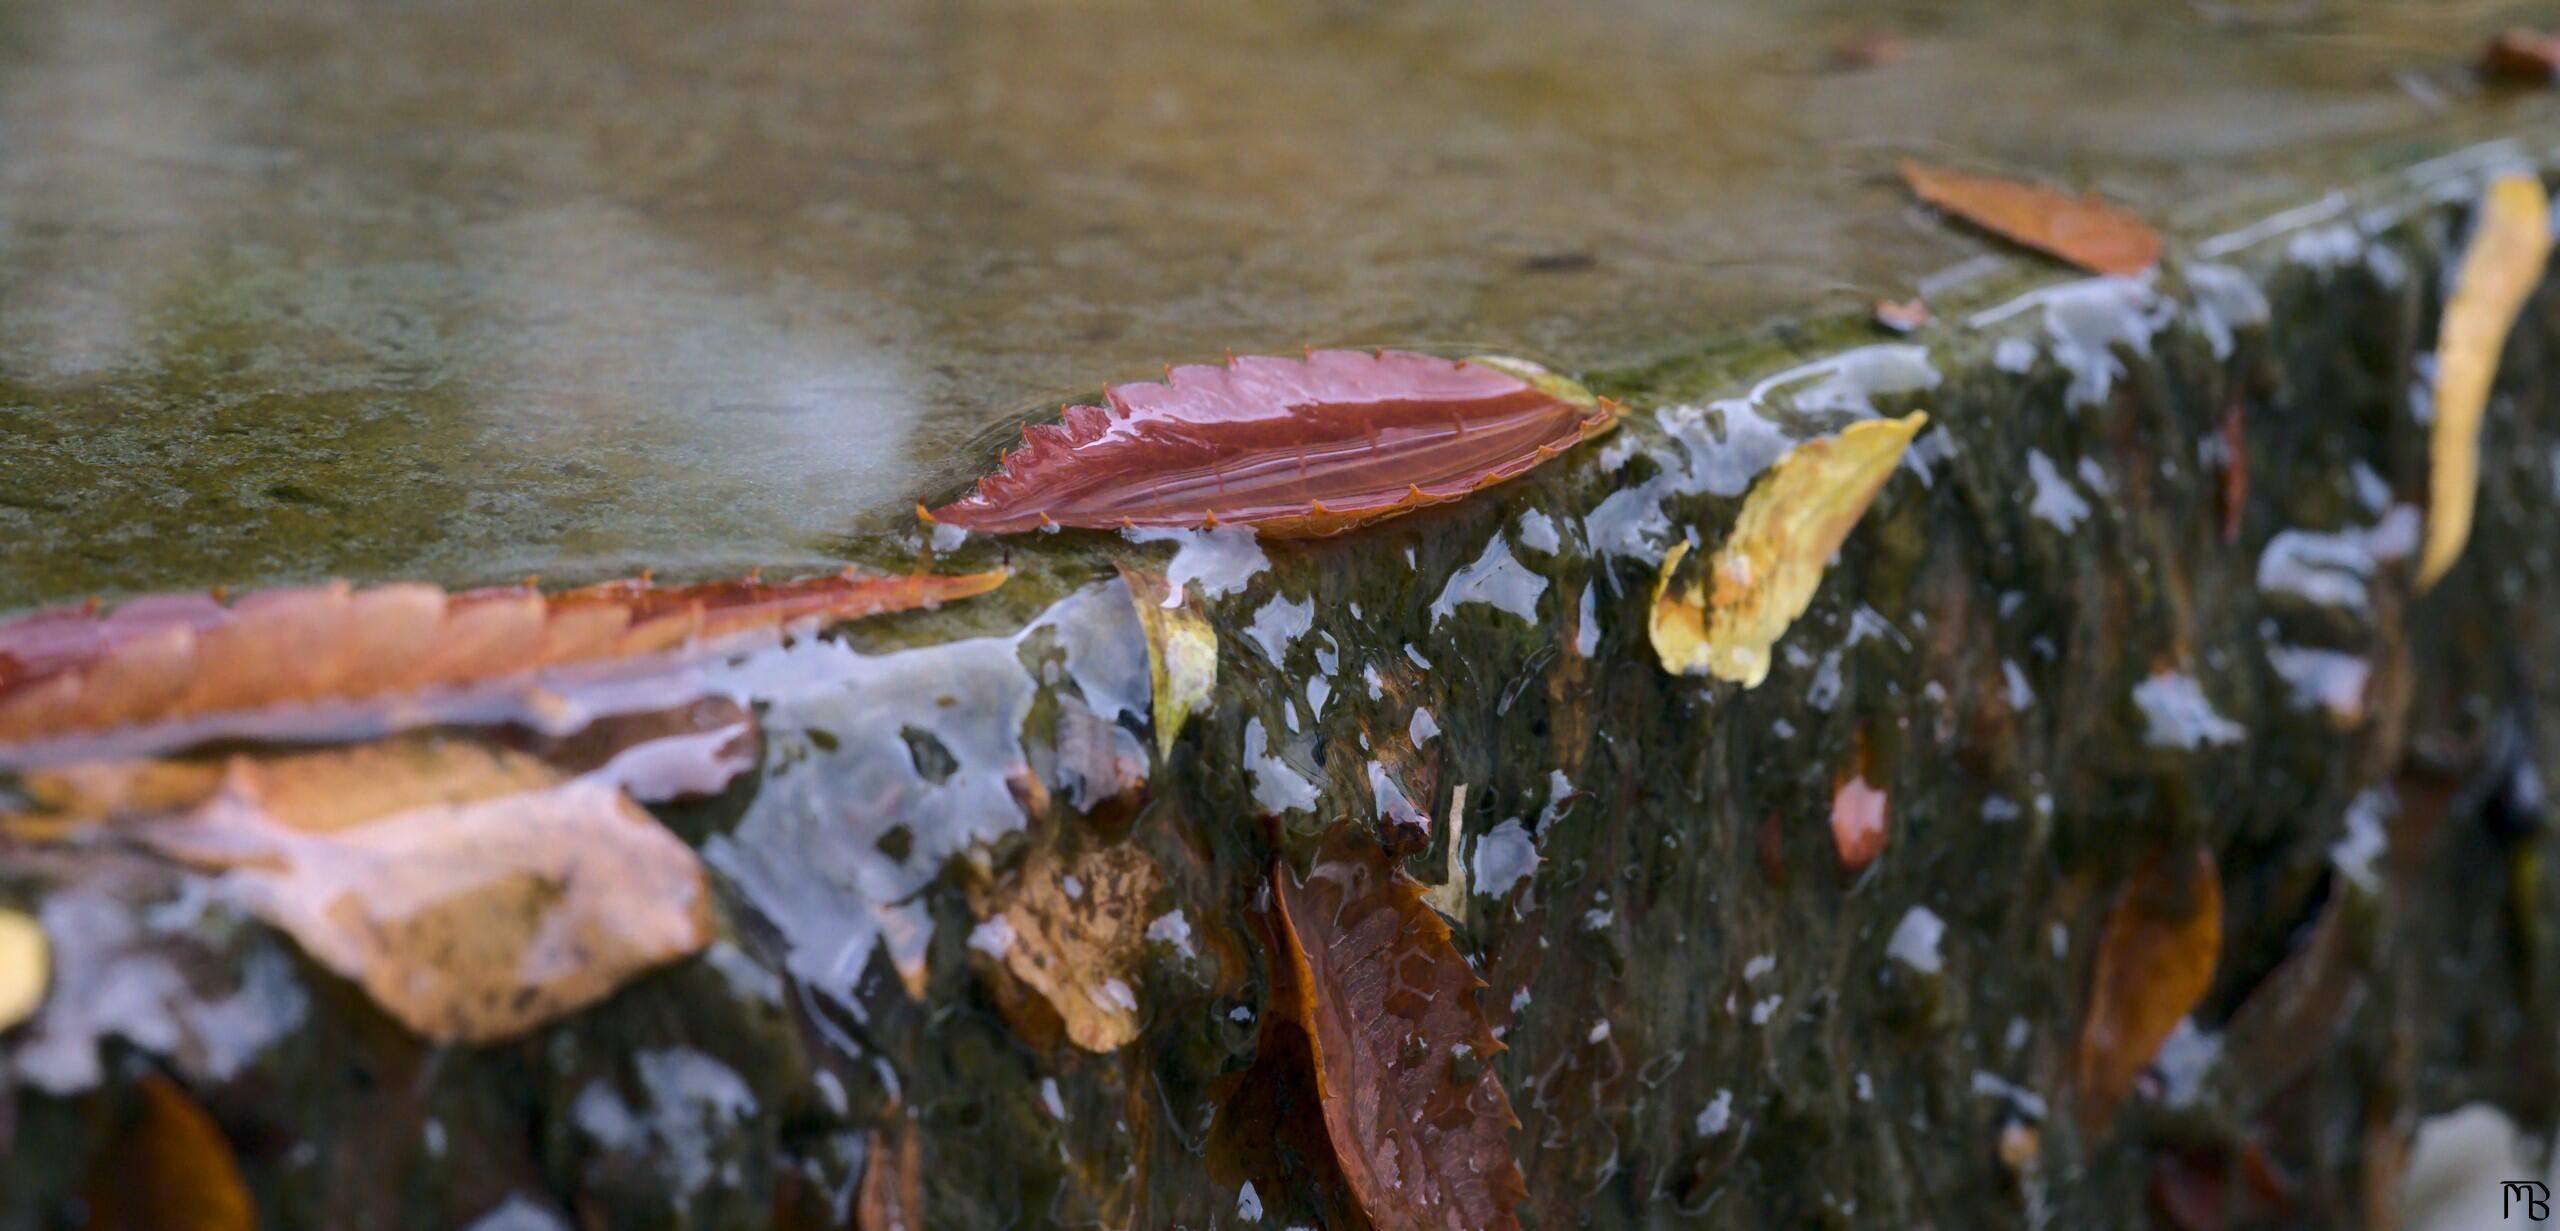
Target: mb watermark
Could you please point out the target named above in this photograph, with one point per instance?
(2532, 1198)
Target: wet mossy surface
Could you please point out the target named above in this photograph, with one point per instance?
(1710, 1022)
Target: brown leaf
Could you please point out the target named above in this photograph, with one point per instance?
(2522, 54)
(178, 657)
(473, 894)
(2235, 469)
(168, 1169)
(2509, 246)
(2084, 231)
(1402, 1053)
(1069, 931)
(2156, 957)
(892, 1195)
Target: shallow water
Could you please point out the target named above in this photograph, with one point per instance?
(462, 291)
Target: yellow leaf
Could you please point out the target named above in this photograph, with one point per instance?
(1765, 575)
(1182, 653)
(1070, 932)
(2499, 270)
(24, 963)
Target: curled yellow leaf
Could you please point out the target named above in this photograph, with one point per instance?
(2499, 270)
(24, 967)
(1723, 624)
(1182, 652)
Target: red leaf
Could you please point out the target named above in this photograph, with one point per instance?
(2085, 231)
(75, 672)
(1402, 1053)
(1294, 448)
(2522, 54)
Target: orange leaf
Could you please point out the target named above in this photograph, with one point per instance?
(1412, 1106)
(173, 657)
(2084, 231)
(168, 1169)
(2156, 957)
(1294, 448)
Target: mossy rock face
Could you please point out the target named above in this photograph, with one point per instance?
(2065, 639)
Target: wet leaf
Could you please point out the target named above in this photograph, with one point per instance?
(25, 967)
(2509, 245)
(2156, 956)
(168, 1169)
(1069, 933)
(1797, 515)
(2084, 231)
(1182, 653)
(2522, 54)
(1859, 809)
(1903, 316)
(183, 657)
(1294, 448)
(473, 894)
(892, 1194)
(1401, 1050)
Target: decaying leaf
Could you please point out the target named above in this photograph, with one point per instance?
(1859, 810)
(25, 967)
(1765, 575)
(168, 1167)
(2509, 246)
(1294, 448)
(1182, 652)
(2522, 54)
(190, 656)
(2084, 231)
(1402, 1053)
(472, 894)
(2156, 957)
(892, 1193)
(1068, 932)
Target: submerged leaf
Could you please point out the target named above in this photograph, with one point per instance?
(1766, 573)
(472, 894)
(25, 967)
(2084, 231)
(1069, 933)
(1182, 652)
(1402, 1053)
(181, 657)
(168, 1167)
(2509, 246)
(2156, 957)
(1294, 448)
